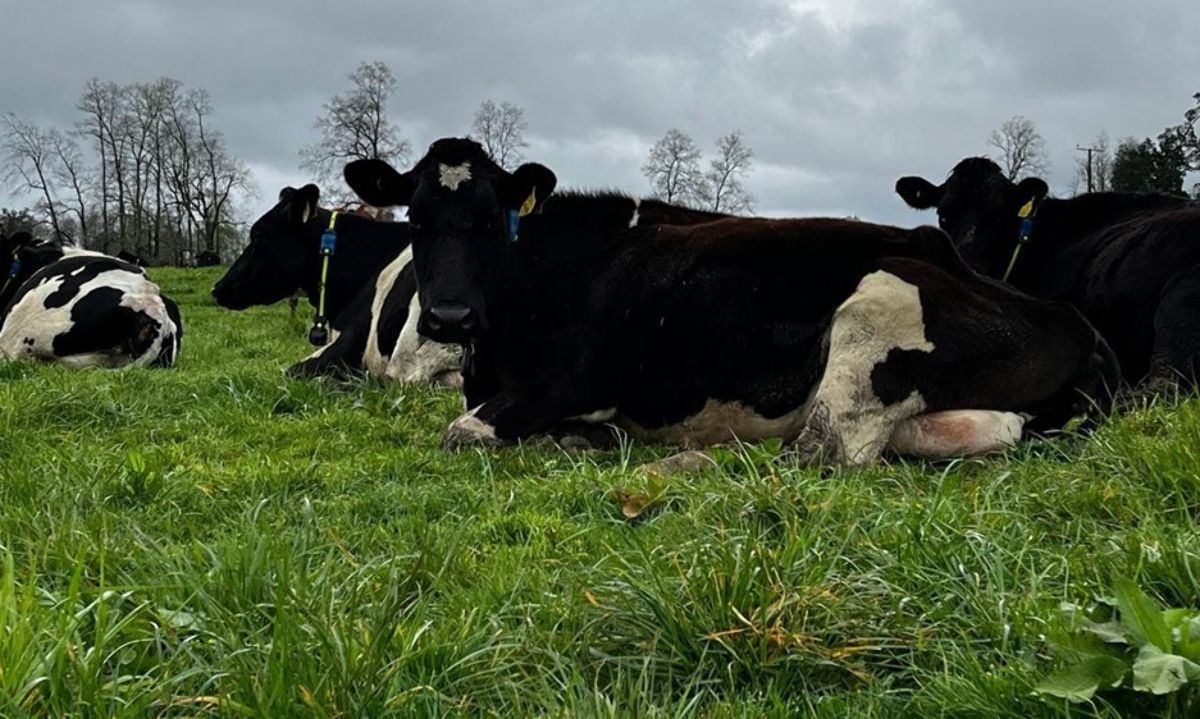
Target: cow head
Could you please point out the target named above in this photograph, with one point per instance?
(272, 267)
(979, 207)
(460, 205)
(10, 251)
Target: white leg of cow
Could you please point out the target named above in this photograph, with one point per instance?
(847, 422)
(470, 431)
(417, 360)
(959, 433)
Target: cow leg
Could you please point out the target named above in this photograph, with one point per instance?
(956, 433)
(339, 360)
(847, 422)
(1175, 358)
(506, 418)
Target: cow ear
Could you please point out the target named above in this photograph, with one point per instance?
(304, 203)
(528, 188)
(919, 193)
(378, 184)
(1032, 189)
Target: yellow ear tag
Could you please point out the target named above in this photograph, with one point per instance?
(529, 204)
(1027, 210)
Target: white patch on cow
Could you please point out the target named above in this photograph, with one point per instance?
(959, 433)
(451, 176)
(882, 315)
(597, 417)
(719, 422)
(416, 359)
(633, 221)
(373, 360)
(471, 426)
(30, 328)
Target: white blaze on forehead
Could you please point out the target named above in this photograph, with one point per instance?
(451, 176)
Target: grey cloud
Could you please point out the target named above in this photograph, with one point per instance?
(837, 97)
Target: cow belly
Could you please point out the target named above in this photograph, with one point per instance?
(719, 422)
(959, 433)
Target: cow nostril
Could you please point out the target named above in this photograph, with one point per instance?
(454, 315)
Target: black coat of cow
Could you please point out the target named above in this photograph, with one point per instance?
(835, 330)
(83, 309)
(1130, 262)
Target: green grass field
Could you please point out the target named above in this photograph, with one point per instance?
(219, 540)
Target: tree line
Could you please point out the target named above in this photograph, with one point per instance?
(143, 170)
(1159, 164)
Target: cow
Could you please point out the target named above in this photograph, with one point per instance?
(83, 309)
(369, 290)
(841, 336)
(1129, 261)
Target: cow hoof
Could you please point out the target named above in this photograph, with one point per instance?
(817, 445)
(469, 431)
(687, 462)
(450, 380)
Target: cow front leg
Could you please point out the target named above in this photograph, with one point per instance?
(847, 423)
(502, 420)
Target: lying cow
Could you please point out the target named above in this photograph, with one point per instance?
(370, 293)
(83, 309)
(1130, 262)
(838, 334)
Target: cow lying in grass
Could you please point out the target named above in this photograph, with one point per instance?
(83, 309)
(1130, 262)
(839, 335)
(369, 292)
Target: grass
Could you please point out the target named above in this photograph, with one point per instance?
(219, 540)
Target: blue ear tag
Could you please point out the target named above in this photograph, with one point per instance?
(15, 268)
(328, 242)
(512, 222)
(1026, 230)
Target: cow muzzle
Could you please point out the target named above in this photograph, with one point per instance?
(449, 322)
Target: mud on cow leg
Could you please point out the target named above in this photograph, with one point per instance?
(847, 422)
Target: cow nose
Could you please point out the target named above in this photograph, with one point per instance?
(458, 316)
(450, 322)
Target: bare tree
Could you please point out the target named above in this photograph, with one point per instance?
(72, 174)
(722, 188)
(1021, 150)
(355, 126)
(96, 103)
(1100, 154)
(29, 157)
(673, 169)
(501, 131)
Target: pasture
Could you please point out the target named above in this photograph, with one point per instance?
(220, 540)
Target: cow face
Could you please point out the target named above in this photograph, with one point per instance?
(979, 207)
(460, 204)
(272, 266)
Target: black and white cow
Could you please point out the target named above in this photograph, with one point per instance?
(842, 335)
(84, 309)
(370, 292)
(1130, 262)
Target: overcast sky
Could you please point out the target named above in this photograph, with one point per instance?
(837, 97)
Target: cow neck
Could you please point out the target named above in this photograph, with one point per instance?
(364, 247)
(32, 261)
(557, 253)
(1066, 235)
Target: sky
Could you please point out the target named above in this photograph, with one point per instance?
(838, 98)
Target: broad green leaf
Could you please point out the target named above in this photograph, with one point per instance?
(1141, 615)
(1079, 682)
(1108, 632)
(1160, 673)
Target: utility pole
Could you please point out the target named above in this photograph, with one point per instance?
(1089, 151)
